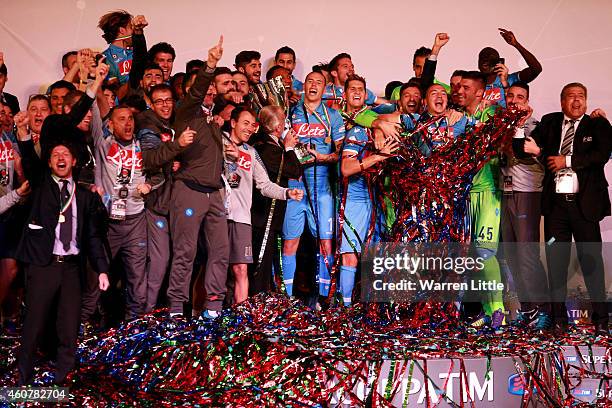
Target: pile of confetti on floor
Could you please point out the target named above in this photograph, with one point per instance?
(273, 351)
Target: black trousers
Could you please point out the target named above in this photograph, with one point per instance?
(261, 280)
(43, 284)
(520, 230)
(566, 220)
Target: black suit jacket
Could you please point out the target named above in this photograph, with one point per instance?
(592, 146)
(271, 154)
(36, 245)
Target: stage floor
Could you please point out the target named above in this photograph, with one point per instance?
(273, 351)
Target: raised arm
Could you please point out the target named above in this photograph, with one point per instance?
(139, 57)
(12, 197)
(534, 68)
(83, 105)
(32, 165)
(191, 105)
(429, 70)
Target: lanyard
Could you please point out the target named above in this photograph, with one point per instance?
(69, 202)
(92, 158)
(120, 168)
(437, 133)
(6, 152)
(326, 124)
(350, 117)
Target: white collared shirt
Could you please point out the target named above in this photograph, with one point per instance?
(58, 247)
(568, 159)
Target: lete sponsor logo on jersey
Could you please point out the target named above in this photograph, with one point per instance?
(309, 130)
(123, 157)
(245, 161)
(6, 151)
(166, 137)
(492, 94)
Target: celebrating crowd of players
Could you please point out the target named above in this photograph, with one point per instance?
(204, 194)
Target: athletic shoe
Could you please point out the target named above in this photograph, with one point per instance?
(480, 321)
(497, 320)
(601, 329)
(525, 318)
(86, 329)
(209, 314)
(543, 321)
(11, 328)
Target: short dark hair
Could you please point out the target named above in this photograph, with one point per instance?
(122, 105)
(475, 76)
(391, 87)
(284, 50)
(354, 77)
(72, 97)
(522, 85)
(238, 111)
(272, 70)
(113, 86)
(321, 66)
(421, 52)
(161, 87)
(3, 70)
(178, 77)
(488, 54)
(411, 84)
(244, 57)
(111, 22)
(62, 141)
(59, 85)
(65, 58)
(573, 85)
(193, 65)
(161, 47)
(151, 65)
(458, 72)
(222, 70)
(333, 64)
(131, 101)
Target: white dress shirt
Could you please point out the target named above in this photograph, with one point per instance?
(568, 172)
(58, 247)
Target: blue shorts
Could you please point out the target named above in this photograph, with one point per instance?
(299, 211)
(358, 214)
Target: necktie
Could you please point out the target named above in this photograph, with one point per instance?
(66, 226)
(568, 140)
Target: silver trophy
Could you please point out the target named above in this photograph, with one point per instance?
(271, 92)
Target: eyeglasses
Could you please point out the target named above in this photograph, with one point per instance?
(160, 102)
